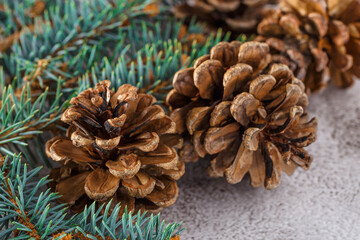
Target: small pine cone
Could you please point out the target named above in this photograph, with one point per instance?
(240, 16)
(320, 40)
(119, 147)
(246, 114)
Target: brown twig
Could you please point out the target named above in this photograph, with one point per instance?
(36, 10)
(32, 128)
(78, 235)
(23, 219)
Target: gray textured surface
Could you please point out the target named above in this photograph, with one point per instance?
(320, 203)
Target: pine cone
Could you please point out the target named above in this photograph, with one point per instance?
(246, 114)
(318, 36)
(241, 16)
(119, 146)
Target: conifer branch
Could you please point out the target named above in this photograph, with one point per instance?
(20, 17)
(23, 117)
(26, 212)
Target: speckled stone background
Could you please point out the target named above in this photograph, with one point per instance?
(320, 203)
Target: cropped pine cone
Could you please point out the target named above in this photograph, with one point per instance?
(241, 16)
(318, 39)
(244, 113)
(119, 146)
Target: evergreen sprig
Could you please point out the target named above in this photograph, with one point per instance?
(18, 15)
(24, 208)
(64, 27)
(23, 117)
(27, 212)
(150, 59)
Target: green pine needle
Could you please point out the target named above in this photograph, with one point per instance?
(26, 210)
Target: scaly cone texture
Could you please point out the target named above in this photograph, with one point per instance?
(244, 113)
(240, 16)
(119, 147)
(320, 40)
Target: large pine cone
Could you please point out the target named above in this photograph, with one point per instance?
(119, 146)
(240, 16)
(244, 113)
(320, 36)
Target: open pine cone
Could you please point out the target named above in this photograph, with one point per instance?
(241, 16)
(244, 113)
(119, 146)
(317, 37)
